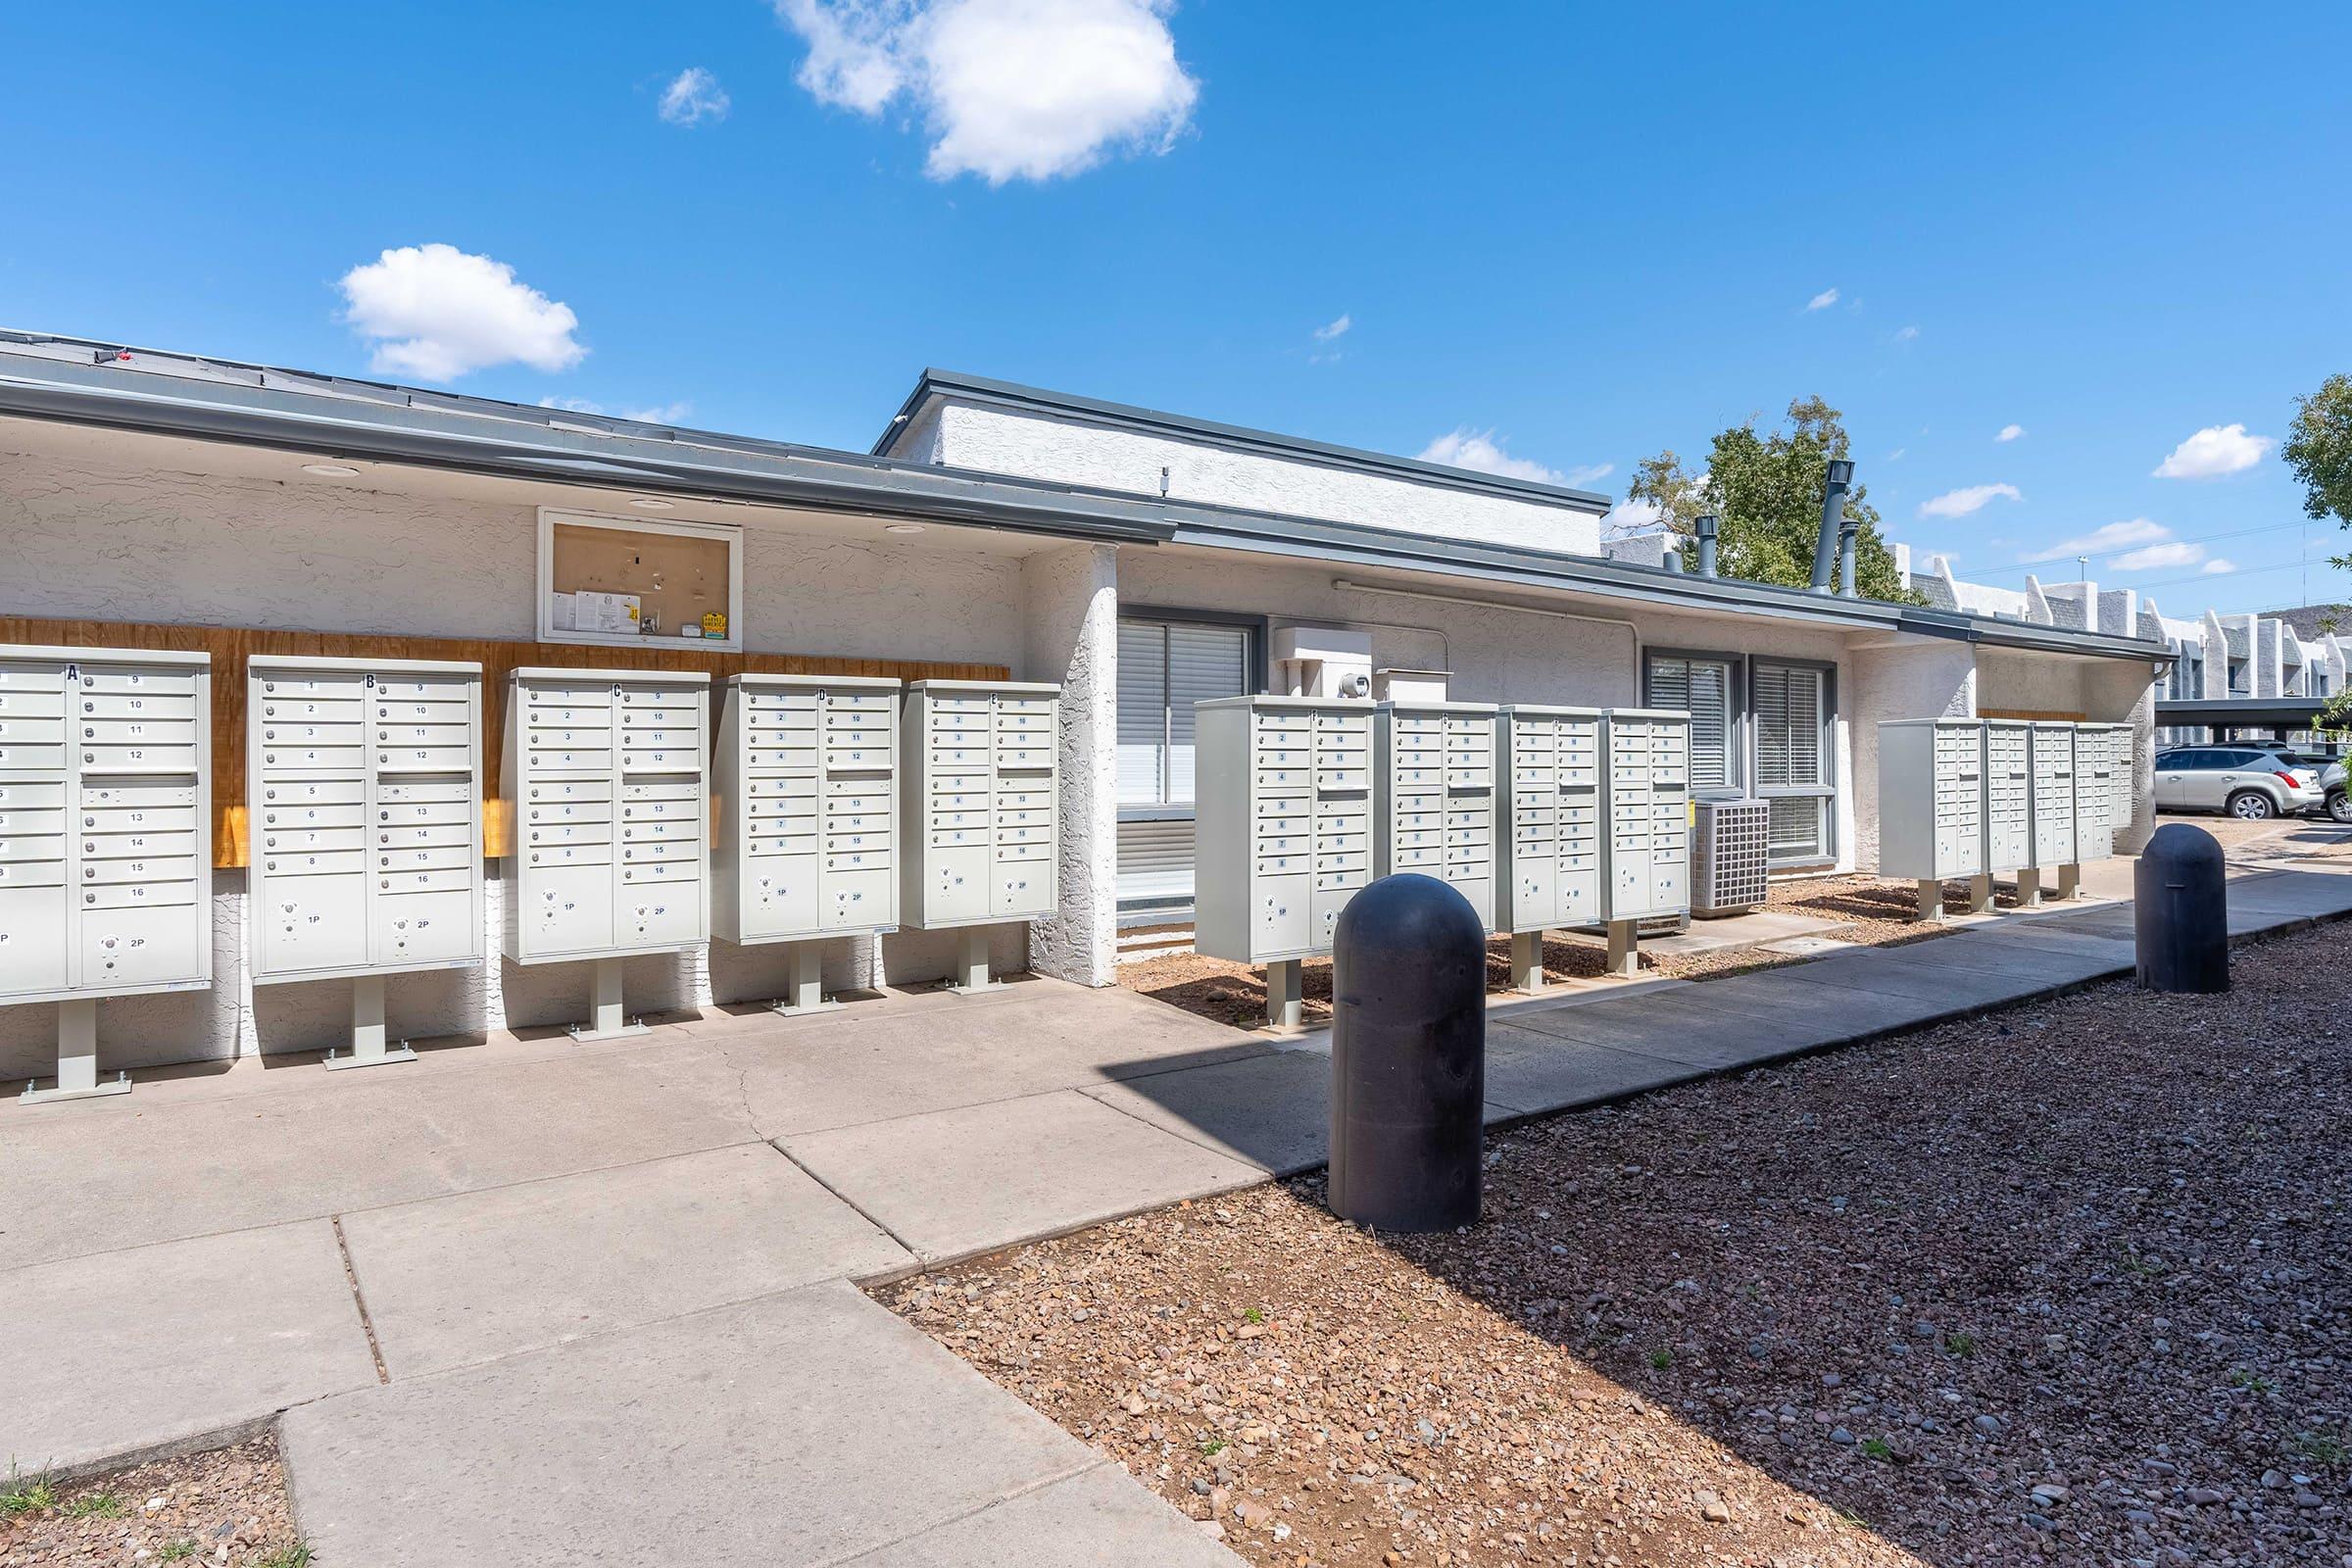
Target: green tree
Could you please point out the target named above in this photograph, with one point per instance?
(2318, 449)
(1767, 491)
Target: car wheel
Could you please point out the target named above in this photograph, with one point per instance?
(2340, 807)
(2252, 805)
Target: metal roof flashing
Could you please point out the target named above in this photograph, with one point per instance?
(936, 382)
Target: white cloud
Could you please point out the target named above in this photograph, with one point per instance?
(2106, 540)
(2011, 432)
(2178, 553)
(1897, 456)
(693, 96)
(437, 313)
(1585, 474)
(1631, 516)
(1009, 89)
(654, 413)
(1823, 300)
(1481, 450)
(1337, 328)
(2214, 453)
(2216, 567)
(1960, 502)
(1906, 335)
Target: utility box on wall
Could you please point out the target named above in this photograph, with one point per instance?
(1932, 816)
(1285, 800)
(1437, 765)
(603, 783)
(106, 830)
(1548, 761)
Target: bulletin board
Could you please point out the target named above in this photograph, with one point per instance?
(674, 573)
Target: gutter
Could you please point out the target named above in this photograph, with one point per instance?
(418, 436)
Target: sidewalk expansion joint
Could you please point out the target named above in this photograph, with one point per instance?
(351, 1277)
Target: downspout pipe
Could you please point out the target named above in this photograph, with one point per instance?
(1833, 512)
(1705, 527)
(1849, 543)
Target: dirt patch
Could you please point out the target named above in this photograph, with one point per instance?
(1867, 910)
(2071, 1285)
(226, 1506)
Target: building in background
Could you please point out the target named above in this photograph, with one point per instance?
(2257, 674)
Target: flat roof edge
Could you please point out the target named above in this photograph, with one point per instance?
(1125, 416)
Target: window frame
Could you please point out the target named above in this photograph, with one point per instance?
(1830, 787)
(1738, 762)
(1253, 674)
(545, 616)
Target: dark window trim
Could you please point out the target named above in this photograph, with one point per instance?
(1259, 672)
(1735, 739)
(1831, 785)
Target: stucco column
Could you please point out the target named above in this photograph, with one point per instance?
(1071, 615)
(2123, 691)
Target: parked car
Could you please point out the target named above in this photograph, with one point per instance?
(2245, 781)
(2338, 801)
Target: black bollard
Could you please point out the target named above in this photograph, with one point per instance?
(1408, 1056)
(2180, 912)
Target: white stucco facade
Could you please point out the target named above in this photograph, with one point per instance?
(106, 525)
(1071, 450)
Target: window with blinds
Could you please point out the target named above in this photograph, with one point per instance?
(1704, 687)
(1165, 667)
(1790, 713)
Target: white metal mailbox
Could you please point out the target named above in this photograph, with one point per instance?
(2102, 787)
(364, 818)
(2050, 752)
(1547, 868)
(1285, 799)
(605, 790)
(1931, 797)
(1550, 762)
(980, 798)
(808, 824)
(1438, 772)
(2008, 795)
(1645, 869)
(106, 837)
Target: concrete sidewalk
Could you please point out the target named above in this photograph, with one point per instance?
(538, 1303)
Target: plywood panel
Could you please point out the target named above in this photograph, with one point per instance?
(232, 646)
(2045, 714)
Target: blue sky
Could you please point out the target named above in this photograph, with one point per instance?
(1580, 233)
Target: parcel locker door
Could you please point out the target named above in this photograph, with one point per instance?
(311, 922)
(32, 939)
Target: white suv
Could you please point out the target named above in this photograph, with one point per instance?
(2240, 780)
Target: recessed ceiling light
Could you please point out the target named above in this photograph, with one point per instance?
(331, 470)
(651, 504)
(903, 527)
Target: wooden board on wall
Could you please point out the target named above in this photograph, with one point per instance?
(232, 646)
(2040, 715)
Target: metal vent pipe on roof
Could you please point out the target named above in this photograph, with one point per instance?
(1705, 527)
(1833, 509)
(1849, 544)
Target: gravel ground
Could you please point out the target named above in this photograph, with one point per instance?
(2070, 1285)
(1868, 910)
(227, 1507)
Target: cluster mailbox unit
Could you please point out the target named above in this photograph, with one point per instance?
(1980, 798)
(363, 814)
(1931, 806)
(106, 837)
(979, 798)
(1549, 873)
(604, 784)
(809, 807)
(1437, 767)
(1284, 808)
(1645, 866)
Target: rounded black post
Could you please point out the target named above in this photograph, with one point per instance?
(2180, 912)
(1408, 1056)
